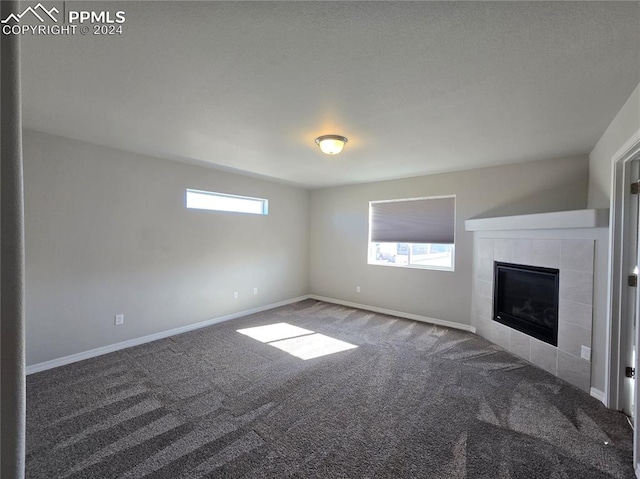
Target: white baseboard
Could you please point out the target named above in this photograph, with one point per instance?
(638, 471)
(390, 312)
(92, 353)
(599, 395)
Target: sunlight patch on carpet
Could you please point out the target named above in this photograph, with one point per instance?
(299, 342)
(274, 332)
(312, 346)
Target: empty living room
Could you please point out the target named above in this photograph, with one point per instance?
(319, 239)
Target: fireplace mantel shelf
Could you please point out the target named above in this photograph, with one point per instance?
(597, 218)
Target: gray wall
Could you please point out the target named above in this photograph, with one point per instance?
(107, 232)
(623, 126)
(339, 232)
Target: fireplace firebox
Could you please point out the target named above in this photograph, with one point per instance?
(526, 298)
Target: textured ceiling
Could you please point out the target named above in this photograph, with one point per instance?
(417, 87)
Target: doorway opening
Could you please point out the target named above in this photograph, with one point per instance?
(624, 293)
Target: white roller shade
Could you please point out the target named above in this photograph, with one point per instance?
(422, 220)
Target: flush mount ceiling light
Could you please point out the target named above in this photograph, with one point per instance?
(331, 144)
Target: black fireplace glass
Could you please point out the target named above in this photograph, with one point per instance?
(526, 298)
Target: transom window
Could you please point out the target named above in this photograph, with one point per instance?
(413, 232)
(208, 200)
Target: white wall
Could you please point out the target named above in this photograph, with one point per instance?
(623, 126)
(339, 232)
(107, 232)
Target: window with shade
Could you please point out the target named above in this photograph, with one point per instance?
(413, 232)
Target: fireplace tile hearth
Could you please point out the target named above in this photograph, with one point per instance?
(522, 251)
(577, 255)
(574, 370)
(500, 335)
(544, 356)
(574, 259)
(520, 344)
(574, 313)
(546, 253)
(503, 250)
(485, 289)
(571, 338)
(483, 327)
(485, 270)
(576, 286)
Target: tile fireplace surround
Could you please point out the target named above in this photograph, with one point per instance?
(564, 240)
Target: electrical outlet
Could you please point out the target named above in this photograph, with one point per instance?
(235, 295)
(585, 353)
(119, 319)
(357, 289)
(255, 290)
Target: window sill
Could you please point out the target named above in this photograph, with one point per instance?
(414, 266)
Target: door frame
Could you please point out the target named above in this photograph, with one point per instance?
(617, 294)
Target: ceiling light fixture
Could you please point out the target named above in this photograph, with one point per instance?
(331, 144)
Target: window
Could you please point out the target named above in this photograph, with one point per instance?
(208, 200)
(413, 232)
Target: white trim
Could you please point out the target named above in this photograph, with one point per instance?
(595, 218)
(611, 390)
(413, 199)
(599, 395)
(615, 273)
(92, 353)
(615, 298)
(629, 145)
(419, 266)
(391, 312)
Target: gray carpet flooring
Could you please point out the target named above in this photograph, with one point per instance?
(412, 400)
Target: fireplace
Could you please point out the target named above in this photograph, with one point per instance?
(526, 298)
